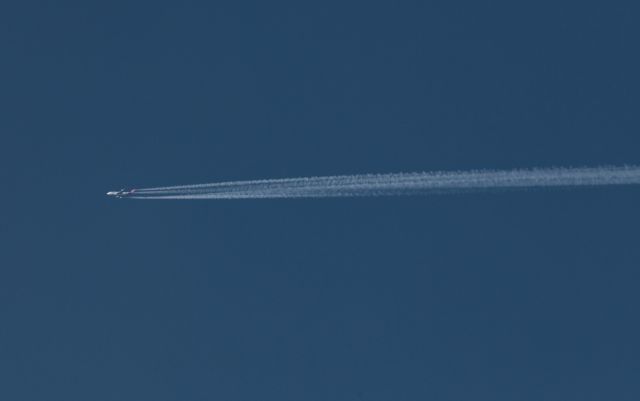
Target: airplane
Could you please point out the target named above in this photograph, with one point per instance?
(121, 193)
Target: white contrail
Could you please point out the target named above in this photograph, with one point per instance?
(398, 184)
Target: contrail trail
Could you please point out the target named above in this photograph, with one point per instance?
(396, 184)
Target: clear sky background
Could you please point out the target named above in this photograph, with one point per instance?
(509, 296)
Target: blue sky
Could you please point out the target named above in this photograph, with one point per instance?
(529, 295)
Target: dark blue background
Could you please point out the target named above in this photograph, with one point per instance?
(530, 295)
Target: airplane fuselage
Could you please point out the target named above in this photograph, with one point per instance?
(120, 194)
